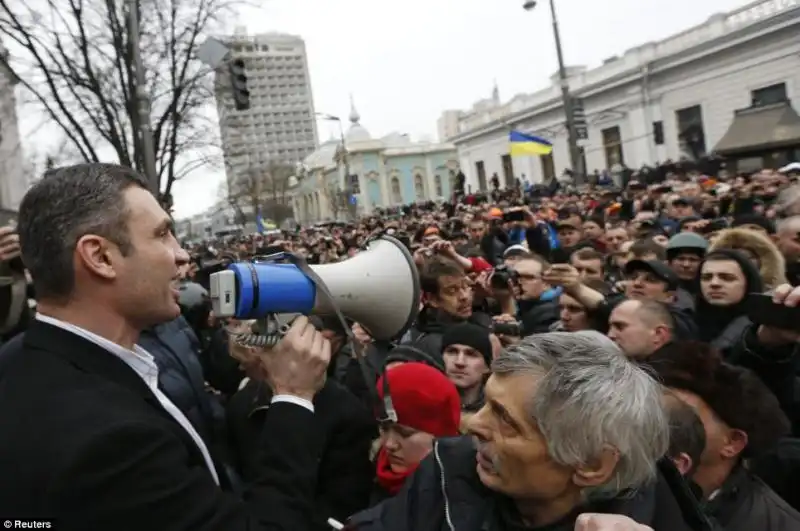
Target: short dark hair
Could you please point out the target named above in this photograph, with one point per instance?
(67, 204)
(587, 253)
(434, 269)
(647, 246)
(686, 431)
(735, 394)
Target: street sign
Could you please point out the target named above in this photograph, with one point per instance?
(212, 52)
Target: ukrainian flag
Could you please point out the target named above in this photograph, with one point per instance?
(522, 144)
(259, 222)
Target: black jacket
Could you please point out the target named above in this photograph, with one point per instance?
(428, 330)
(446, 494)
(776, 366)
(345, 470)
(176, 351)
(84, 440)
(745, 503)
(537, 317)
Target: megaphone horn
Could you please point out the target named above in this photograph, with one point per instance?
(378, 288)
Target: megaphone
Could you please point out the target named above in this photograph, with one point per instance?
(378, 288)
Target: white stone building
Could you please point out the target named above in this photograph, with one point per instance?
(643, 105)
(13, 178)
(280, 126)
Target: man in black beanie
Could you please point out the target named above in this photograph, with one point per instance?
(467, 354)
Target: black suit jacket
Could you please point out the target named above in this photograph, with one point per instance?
(84, 440)
(345, 470)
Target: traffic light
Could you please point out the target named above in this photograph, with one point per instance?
(241, 94)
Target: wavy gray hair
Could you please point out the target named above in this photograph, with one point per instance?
(590, 398)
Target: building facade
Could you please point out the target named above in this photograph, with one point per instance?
(370, 173)
(13, 179)
(280, 126)
(662, 100)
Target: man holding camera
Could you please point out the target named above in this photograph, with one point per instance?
(87, 437)
(526, 292)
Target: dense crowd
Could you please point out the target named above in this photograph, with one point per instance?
(603, 357)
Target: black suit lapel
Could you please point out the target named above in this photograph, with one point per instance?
(86, 355)
(92, 358)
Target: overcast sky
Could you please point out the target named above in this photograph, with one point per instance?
(406, 61)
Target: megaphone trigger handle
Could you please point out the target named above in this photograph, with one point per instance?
(260, 335)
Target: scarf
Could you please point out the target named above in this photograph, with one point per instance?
(387, 478)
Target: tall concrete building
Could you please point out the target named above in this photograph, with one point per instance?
(280, 126)
(13, 179)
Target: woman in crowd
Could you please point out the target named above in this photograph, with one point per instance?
(427, 406)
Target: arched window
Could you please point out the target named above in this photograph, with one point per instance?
(397, 197)
(437, 181)
(419, 187)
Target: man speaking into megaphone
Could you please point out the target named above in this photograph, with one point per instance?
(114, 451)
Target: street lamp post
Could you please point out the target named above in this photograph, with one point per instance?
(572, 135)
(344, 157)
(145, 131)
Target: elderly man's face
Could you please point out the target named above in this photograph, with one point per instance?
(512, 455)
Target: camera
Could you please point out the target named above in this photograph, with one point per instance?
(501, 277)
(507, 329)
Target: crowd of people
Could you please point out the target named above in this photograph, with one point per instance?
(593, 358)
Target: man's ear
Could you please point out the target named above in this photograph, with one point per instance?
(597, 472)
(683, 463)
(663, 333)
(96, 255)
(735, 443)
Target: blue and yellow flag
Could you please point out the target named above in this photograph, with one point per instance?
(259, 222)
(522, 144)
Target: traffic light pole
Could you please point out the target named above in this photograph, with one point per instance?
(144, 130)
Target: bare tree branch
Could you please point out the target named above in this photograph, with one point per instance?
(74, 61)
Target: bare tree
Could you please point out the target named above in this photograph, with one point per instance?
(74, 60)
(276, 185)
(260, 189)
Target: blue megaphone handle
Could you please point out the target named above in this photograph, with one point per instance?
(265, 288)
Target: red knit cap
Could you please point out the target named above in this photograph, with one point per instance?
(424, 399)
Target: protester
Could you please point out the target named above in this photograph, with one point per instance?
(672, 254)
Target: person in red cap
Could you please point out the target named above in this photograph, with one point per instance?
(427, 406)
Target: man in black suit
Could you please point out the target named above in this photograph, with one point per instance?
(86, 436)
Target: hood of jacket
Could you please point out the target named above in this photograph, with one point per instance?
(771, 261)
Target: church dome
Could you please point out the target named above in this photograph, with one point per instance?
(356, 132)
